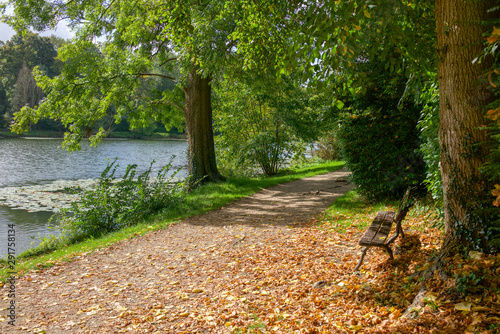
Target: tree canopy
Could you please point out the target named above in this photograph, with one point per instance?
(26, 51)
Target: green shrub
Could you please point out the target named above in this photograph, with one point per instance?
(379, 138)
(428, 125)
(261, 125)
(117, 203)
(328, 147)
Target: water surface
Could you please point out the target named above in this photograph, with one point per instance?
(42, 161)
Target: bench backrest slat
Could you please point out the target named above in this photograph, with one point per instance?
(379, 229)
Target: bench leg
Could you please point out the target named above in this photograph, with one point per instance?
(363, 253)
(389, 251)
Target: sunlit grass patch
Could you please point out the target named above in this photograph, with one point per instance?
(352, 210)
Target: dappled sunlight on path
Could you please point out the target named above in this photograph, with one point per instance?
(286, 204)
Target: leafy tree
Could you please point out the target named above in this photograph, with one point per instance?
(379, 137)
(31, 50)
(110, 75)
(261, 122)
(428, 126)
(250, 132)
(26, 92)
(4, 105)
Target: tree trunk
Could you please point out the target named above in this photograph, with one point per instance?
(468, 205)
(467, 201)
(198, 112)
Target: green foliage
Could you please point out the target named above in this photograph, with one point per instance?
(120, 78)
(379, 138)
(4, 107)
(26, 92)
(250, 132)
(469, 283)
(328, 146)
(263, 123)
(25, 52)
(318, 42)
(117, 203)
(429, 147)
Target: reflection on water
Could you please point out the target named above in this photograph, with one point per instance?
(29, 227)
(41, 161)
(35, 161)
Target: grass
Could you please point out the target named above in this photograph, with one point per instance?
(352, 210)
(206, 198)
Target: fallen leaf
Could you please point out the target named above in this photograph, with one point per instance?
(476, 255)
(480, 309)
(395, 315)
(463, 306)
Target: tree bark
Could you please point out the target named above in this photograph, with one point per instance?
(467, 202)
(201, 147)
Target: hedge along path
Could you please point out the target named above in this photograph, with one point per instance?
(191, 276)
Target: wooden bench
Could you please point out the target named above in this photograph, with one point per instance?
(379, 230)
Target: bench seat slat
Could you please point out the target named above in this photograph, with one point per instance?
(379, 229)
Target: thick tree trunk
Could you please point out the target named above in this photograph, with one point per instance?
(198, 112)
(462, 94)
(467, 202)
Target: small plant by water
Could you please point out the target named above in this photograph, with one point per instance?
(116, 203)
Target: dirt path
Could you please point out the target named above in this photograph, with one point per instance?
(190, 277)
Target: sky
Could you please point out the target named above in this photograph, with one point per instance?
(6, 32)
(61, 30)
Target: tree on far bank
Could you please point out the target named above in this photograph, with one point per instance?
(26, 92)
(4, 105)
(31, 50)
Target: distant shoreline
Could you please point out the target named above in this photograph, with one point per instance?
(117, 135)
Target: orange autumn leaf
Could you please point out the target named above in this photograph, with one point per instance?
(495, 36)
(492, 39)
(493, 114)
(496, 192)
(490, 79)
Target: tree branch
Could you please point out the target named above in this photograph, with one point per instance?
(168, 61)
(170, 103)
(158, 75)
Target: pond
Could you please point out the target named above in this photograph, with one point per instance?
(33, 163)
